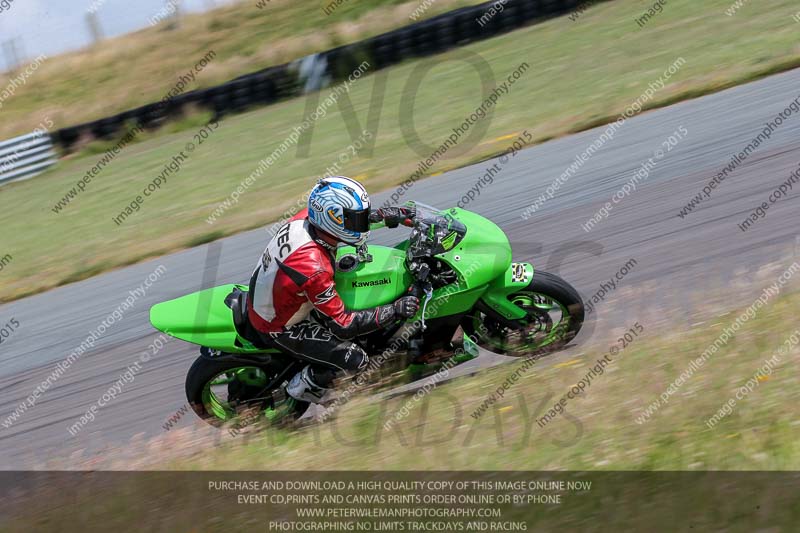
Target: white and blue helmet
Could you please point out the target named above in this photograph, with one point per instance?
(340, 207)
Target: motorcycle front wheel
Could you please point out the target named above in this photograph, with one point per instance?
(554, 316)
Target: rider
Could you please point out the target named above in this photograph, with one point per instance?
(293, 304)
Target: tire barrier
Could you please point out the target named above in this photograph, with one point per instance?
(264, 87)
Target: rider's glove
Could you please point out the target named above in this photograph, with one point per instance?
(393, 216)
(406, 307)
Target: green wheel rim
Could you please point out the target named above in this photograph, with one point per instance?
(220, 407)
(538, 306)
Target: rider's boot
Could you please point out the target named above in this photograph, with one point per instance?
(303, 387)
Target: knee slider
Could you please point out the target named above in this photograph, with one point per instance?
(356, 358)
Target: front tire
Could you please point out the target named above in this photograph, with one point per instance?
(555, 314)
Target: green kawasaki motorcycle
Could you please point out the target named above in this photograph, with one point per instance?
(459, 265)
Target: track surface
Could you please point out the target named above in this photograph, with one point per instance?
(704, 251)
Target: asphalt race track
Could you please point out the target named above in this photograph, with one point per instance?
(675, 258)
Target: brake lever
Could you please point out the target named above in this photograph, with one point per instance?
(428, 290)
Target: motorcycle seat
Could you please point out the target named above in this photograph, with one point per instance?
(237, 301)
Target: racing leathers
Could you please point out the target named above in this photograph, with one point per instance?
(293, 304)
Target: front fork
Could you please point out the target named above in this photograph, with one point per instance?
(516, 278)
(495, 301)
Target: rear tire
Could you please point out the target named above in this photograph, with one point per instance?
(542, 335)
(244, 399)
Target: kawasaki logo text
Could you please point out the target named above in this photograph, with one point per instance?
(384, 281)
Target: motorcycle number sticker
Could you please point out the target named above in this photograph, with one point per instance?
(518, 273)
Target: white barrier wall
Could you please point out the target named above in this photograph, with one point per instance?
(26, 156)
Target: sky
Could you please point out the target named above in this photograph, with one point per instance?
(51, 27)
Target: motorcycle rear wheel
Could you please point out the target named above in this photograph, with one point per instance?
(223, 391)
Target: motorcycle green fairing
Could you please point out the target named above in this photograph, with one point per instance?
(481, 257)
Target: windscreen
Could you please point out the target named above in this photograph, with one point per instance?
(435, 232)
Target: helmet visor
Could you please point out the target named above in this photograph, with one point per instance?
(356, 220)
